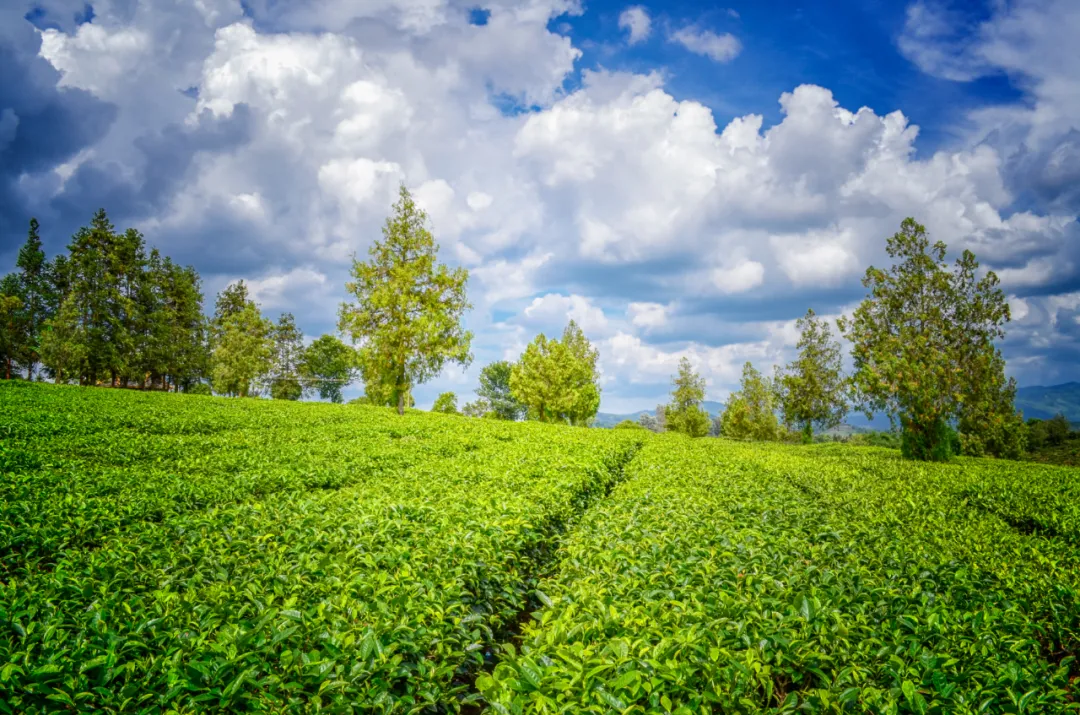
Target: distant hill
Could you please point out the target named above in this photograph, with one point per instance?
(609, 419)
(855, 422)
(1043, 402)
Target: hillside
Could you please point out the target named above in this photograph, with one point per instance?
(1043, 402)
(177, 553)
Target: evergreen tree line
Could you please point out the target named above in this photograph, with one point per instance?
(106, 313)
(110, 313)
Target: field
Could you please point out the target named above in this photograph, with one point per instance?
(164, 553)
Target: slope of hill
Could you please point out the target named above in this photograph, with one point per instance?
(1043, 402)
(610, 419)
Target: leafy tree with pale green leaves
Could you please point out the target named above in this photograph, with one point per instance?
(408, 308)
(812, 390)
(923, 345)
(750, 413)
(243, 348)
(328, 366)
(495, 389)
(447, 403)
(684, 413)
(557, 379)
(288, 343)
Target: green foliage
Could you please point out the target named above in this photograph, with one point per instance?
(408, 309)
(923, 347)
(812, 390)
(757, 578)
(630, 424)
(107, 313)
(271, 556)
(198, 388)
(446, 403)
(557, 380)
(479, 407)
(243, 347)
(936, 443)
(750, 413)
(288, 350)
(328, 366)
(495, 390)
(1057, 429)
(684, 414)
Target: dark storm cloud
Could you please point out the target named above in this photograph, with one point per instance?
(166, 158)
(49, 126)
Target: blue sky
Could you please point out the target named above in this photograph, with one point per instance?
(681, 178)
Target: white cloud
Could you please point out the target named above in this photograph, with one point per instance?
(647, 315)
(719, 48)
(636, 21)
(555, 311)
(618, 193)
(738, 277)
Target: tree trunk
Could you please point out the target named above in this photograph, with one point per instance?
(7, 369)
(401, 402)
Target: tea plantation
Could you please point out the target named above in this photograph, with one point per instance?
(165, 553)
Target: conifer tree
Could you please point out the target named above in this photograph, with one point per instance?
(36, 289)
(408, 308)
(242, 346)
(684, 413)
(812, 390)
(288, 351)
(750, 412)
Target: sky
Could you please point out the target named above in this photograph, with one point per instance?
(680, 178)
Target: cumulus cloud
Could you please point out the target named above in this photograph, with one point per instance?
(267, 141)
(719, 48)
(635, 20)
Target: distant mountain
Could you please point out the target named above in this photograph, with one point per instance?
(855, 422)
(608, 419)
(1043, 402)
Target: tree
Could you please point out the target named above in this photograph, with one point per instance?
(408, 308)
(1057, 429)
(557, 380)
(63, 344)
(479, 407)
(328, 366)
(288, 348)
(242, 346)
(923, 339)
(36, 296)
(11, 307)
(750, 412)
(495, 389)
(446, 402)
(812, 390)
(684, 413)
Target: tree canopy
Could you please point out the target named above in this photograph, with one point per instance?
(750, 412)
(923, 344)
(495, 390)
(408, 308)
(328, 366)
(812, 390)
(684, 413)
(557, 380)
